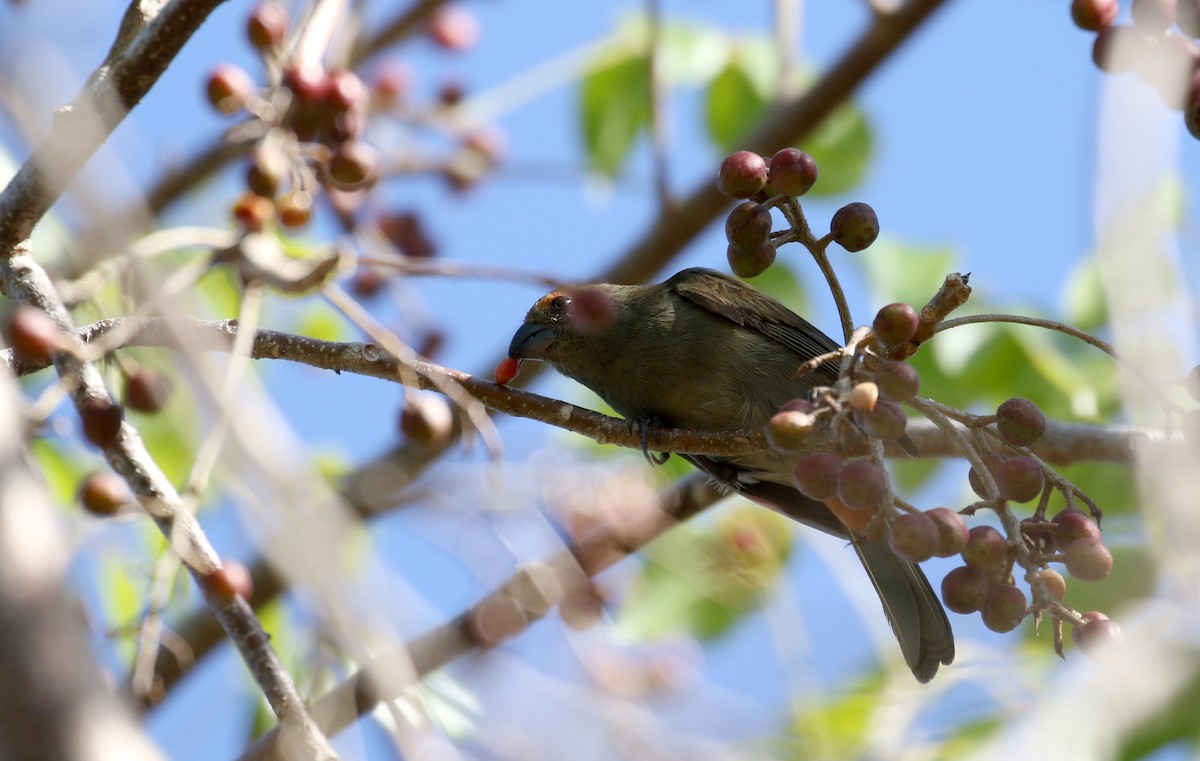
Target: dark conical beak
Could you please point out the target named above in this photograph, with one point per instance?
(530, 341)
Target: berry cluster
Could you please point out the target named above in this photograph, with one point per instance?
(1160, 46)
(764, 183)
(313, 121)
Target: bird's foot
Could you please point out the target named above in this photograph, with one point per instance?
(643, 428)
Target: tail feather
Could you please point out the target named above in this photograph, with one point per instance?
(910, 604)
(917, 617)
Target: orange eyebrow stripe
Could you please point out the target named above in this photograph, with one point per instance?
(545, 301)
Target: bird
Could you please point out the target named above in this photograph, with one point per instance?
(704, 350)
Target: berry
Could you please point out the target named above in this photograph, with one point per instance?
(407, 233)
(34, 337)
(147, 390)
(103, 493)
(1088, 559)
(101, 420)
(392, 81)
(231, 580)
(295, 208)
(748, 225)
(426, 419)
(742, 174)
(952, 531)
(854, 518)
(344, 91)
(1073, 524)
(454, 28)
(816, 475)
(862, 484)
(887, 421)
(267, 25)
(1113, 48)
(1019, 479)
(792, 172)
(352, 164)
(854, 226)
(1004, 608)
(266, 171)
(507, 370)
(750, 262)
(913, 537)
(307, 81)
(986, 551)
(895, 324)
(863, 396)
(1020, 422)
(1097, 630)
(368, 282)
(253, 211)
(897, 380)
(1093, 15)
(229, 88)
(1154, 16)
(964, 589)
(991, 460)
(798, 405)
(789, 431)
(1056, 585)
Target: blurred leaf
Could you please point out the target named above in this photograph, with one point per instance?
(739, 94)
(898, 271)
(219, 287)
(733, 105)
(835, 729)
(318, 320)
(843, 148)
(123, 601)
(170, 435)
(701, 581)
(691, 54)
(62, 473)
(1083, 297)
(614, 108)
(1175, 722)
(1133, 578)
(911, 473)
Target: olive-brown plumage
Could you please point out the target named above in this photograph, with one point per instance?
(703, 350)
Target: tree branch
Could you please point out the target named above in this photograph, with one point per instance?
(79, 128)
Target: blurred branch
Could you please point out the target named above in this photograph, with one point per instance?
(53, 700)
(135, 63)
(512, 608)
(22, 279)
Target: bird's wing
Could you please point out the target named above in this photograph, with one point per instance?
(735, 301)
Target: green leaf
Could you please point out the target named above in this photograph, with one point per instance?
(701, 581)
(733, 106)
(740, 93)
(62, 473)
(898, 271)
(614, 108)
(842, 147)
(1083, 297)
(835, 729)
(319, 320)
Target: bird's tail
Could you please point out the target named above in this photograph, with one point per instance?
(912, 608)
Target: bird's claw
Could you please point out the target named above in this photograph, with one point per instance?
(654, 458)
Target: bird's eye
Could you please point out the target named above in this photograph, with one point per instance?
(560, 303)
